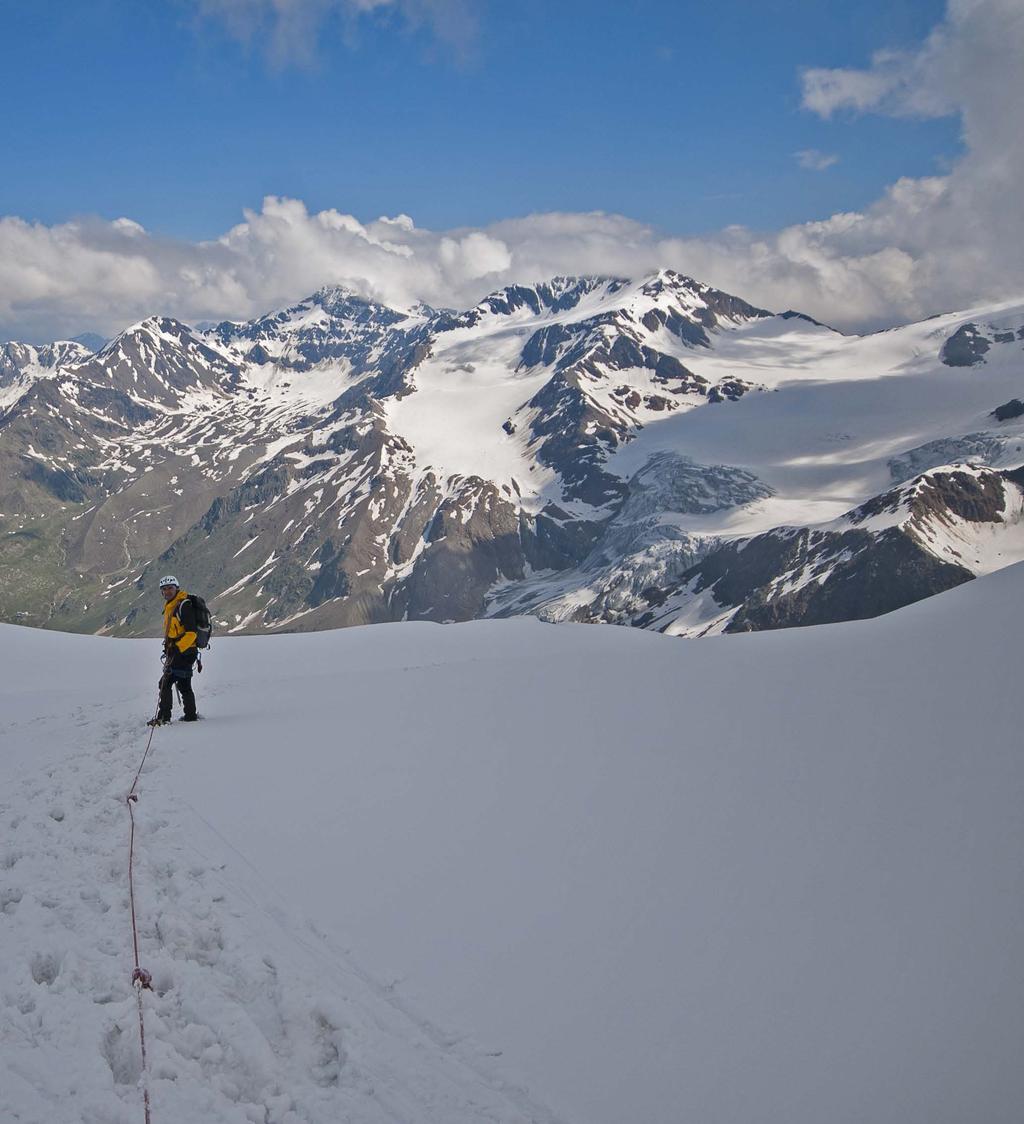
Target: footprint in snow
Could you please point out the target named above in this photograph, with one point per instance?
(9, 899)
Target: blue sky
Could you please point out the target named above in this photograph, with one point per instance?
(263, 148)
(683, 115)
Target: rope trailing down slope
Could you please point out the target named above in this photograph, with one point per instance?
(141, 979)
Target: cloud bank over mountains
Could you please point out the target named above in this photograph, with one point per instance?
(927, 245)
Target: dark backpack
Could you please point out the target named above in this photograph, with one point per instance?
(203, 622)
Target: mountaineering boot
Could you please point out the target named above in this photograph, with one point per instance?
(158, 721)
(189, 718)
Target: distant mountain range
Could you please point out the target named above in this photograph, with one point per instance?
(655, 453)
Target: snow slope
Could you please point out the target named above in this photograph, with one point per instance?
(409, 872)
(840, 409)
(463, 395)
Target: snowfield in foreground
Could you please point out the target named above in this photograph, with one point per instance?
(506, 871)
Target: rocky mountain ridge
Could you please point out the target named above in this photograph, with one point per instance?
(586, 448)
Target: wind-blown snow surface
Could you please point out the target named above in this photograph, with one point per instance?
(773, 877)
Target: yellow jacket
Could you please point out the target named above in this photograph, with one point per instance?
(174, 630)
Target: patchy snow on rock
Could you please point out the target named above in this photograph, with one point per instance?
(436, 464)
(982, 546)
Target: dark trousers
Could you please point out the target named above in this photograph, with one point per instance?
(179, 675)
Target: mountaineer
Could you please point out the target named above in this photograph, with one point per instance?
(186, 630)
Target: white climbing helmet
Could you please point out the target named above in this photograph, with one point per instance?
(170, 579)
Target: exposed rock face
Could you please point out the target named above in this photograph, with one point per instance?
(269, 462)
(729, 390)
(790, 314)
(970, 344)
(472, 542)
(1009, 410)
(811, 577)
(975, 495)
(966, 347)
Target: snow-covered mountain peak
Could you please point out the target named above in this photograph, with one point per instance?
(332, 326)
(688, 308)
(23, 364)
(673, 280)
(394, 462)
(156, 361)
(559, 295)
(326, 310)
(342, 303)
(16, 357)
(155, 332)
(675, 293)
(62, 352)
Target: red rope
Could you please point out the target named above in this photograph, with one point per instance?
(135, 782)
(141, 979)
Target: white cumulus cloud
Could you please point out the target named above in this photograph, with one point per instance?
(927, 245)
